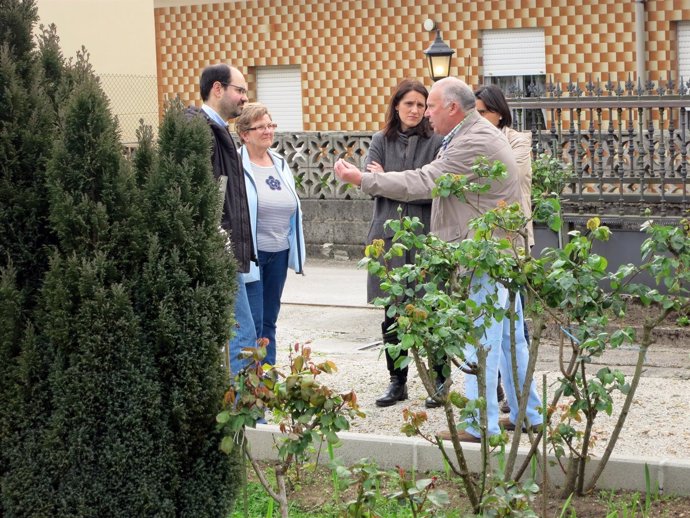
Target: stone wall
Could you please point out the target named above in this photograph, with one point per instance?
(336, 228)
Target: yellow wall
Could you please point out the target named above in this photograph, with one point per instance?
(119, 36)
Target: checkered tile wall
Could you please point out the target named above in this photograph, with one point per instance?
(353, 52)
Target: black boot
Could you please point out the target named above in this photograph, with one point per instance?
(397, 391)
(430, 402)
(440, 382)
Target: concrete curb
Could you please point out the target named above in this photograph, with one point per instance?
(673, 477)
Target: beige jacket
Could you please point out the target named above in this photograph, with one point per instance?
(521, 143)
(449, 216)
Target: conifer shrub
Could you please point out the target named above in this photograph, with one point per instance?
(27, 128)
(186, 293)
(115, 300)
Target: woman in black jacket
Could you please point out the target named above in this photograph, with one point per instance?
(406, 142)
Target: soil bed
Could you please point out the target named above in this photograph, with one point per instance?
(313, 495)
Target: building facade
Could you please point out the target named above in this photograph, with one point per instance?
(331, 66)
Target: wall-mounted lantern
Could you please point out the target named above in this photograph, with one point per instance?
(439, 54)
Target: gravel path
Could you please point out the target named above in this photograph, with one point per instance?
(658, 425)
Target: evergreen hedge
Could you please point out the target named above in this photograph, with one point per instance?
(115, 300)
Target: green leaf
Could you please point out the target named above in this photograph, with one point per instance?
(555, 222)
(342, 423)
(227, 444)
(422, 484)
(407, 341)
(439, 498)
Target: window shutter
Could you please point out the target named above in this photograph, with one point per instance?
(514, 52)
(280, 89)
(684, 51)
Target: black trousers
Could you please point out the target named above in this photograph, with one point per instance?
(391, 337)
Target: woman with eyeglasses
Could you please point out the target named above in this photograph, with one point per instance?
(276, 220)
(493, 106)
(406, 142)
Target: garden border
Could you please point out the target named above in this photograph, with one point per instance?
(628, 473)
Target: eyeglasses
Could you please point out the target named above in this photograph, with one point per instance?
(264, 127)
(240, 89)
(484, 112)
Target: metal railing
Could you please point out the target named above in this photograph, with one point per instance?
(627, 145)
(627, 148)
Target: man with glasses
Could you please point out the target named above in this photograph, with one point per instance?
(224, 93)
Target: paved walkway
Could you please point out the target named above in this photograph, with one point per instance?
(329, 305)
(327, 308)
(327, 283)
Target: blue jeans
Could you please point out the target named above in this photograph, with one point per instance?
(244, 332)
(497, 340)
(264, 297)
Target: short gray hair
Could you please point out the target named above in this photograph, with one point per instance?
(456, 90)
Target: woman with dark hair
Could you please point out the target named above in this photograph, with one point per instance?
(406, 142)
(492, 105)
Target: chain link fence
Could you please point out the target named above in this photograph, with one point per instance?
(132, 98)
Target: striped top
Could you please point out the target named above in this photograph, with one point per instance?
(276, 205)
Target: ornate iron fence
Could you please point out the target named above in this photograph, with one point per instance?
(627, 145)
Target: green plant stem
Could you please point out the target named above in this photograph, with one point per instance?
(534, 447)
(648, 491)
(523, 395)
(512, 452)
(245, 495)
(642, 354)
(334, 474)
(590, 415)
(544, 464)
(538, 328)
(280, 497)
(482, 354)
(462, 470)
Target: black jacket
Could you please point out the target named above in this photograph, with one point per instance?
(403, 153)
(235, 219)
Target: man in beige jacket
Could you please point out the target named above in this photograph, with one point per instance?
(450, 109)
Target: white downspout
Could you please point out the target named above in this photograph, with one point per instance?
(640, 39)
